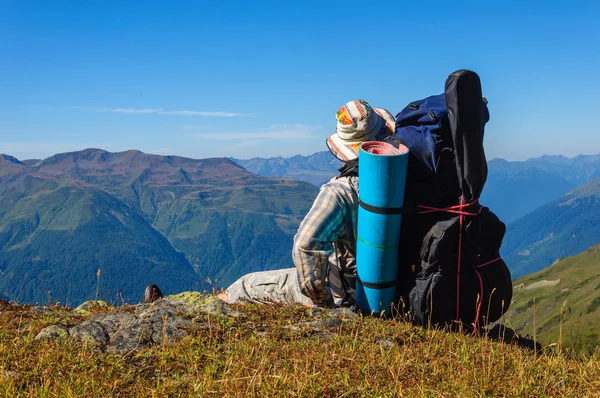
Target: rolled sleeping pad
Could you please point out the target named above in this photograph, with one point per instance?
(381, 182)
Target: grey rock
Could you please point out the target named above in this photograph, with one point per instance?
(54, 332)
(155, 323)
(214, 306)
(319, 325)
(326, 323)
(90, 331)
(343, 312)
(143, 333)
(160, 308)
(340, 312)
(39, 310)
(163, 321)
(324, 336)
(114, 320)
(198, 303)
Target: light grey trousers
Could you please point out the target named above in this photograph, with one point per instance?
(277, 286)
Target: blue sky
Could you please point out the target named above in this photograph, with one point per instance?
(264, 78)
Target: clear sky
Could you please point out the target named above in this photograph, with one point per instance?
(265, 78)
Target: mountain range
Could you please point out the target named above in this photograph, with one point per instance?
(139, 218)
(563, 227)
(512, 190)
(316, 169)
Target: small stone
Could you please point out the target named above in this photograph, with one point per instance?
(314, 311)
(9, 375)
(385, 343)
(54, 332)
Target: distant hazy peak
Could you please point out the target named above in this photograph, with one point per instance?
(555, 159)
(8, 158)
(588, 158)
(131, 157)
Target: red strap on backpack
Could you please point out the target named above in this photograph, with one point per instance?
(460, 209)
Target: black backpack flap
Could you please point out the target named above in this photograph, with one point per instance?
(446, 177)
(484, 296)
(484, 288)
(433, 300)
(497, 292)
(466, 113)
(485, 293)
(487, 231)
(439, 249)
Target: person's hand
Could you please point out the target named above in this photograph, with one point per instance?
(222, 296)
(322, 304)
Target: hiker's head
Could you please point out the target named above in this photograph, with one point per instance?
(357, 122)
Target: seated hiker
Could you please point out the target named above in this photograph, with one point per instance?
(325, 244)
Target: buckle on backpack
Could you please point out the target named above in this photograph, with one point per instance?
(414, 107)
(433, 116)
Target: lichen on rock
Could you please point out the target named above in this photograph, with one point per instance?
(164, 321)
(53, 332)
(84, 308)
(196, 302)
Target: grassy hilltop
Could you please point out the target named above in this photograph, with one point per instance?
(562, 302)
(273, 351)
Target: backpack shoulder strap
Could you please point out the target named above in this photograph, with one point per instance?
(349, 169)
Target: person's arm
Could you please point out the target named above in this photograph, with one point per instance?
(314, 243)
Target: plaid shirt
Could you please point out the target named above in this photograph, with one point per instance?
(327, 234)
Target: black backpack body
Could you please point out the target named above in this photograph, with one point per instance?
(450, 267)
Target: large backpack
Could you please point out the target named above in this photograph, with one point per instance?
(449, 245)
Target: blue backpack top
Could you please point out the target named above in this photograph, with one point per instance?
(423, 126)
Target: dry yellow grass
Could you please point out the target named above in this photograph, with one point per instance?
(260, 356)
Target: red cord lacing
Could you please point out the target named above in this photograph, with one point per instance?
(460, 210)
